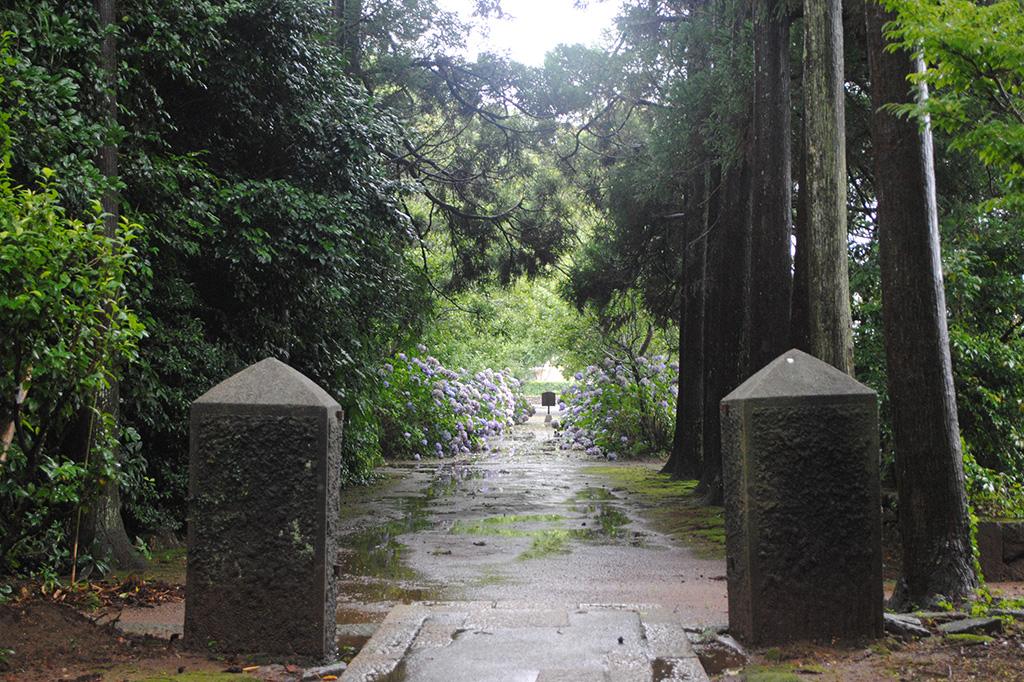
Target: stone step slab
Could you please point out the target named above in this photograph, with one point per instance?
(485, 642)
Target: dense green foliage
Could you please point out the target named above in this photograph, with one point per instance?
(975, 72)
(271, 230)
(334, 193)
(65, 321)
(425, 409)
(621, 410)
(519, 327)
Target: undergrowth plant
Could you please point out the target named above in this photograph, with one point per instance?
(623, 409)
(424, 408)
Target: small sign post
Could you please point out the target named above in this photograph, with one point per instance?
(547, 399)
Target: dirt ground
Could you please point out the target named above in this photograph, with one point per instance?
(45, 640)
(935, 658)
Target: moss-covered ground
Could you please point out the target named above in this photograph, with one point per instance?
(670, 505)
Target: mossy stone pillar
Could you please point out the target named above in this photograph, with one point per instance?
(263, 511)
(802, 504)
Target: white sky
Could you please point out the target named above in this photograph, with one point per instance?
(536, 26)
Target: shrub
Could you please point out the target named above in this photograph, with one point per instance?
(992, 494)
(621, 409)
(425, 408)
(64, 328)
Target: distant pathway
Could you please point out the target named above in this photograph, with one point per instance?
(525, 543)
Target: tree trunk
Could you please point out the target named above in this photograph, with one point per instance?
(830, 321)
(933, 518)
(349, 15)
(724, 316)
(766, 331)
(687, 447)
(103, 529)
(798, 322)
(692, 378)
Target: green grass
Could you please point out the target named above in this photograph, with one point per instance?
(538, 387)
(672, 506)
(969, 639)
(200, 677)
(167, 565)
(548, 542)
(756, 673)
(499, 525)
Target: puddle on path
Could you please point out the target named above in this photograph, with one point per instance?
(521, 522)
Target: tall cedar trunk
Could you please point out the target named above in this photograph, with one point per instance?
(933, 520)
(724, 298)
(766, 332)
(687, 445)
(349, 15)
(103, 530)
(798, 322)
(830, 322)
(692, 376)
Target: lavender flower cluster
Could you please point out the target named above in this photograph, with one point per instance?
(621, 409)
(427, 409)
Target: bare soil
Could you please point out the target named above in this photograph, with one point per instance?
(47, 640)
(934, 658)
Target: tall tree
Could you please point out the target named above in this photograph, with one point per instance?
(767, 306)
(723, 312)
(933, 517)
(104, 530)
(688, 441)
(348, 35)
(830, 326)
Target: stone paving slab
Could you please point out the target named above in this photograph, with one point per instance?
(513, 642)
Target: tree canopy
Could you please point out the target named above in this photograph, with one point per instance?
(336, 183)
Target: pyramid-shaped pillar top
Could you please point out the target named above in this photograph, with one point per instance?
(795, 375)
(268, 382)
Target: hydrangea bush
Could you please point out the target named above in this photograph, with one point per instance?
(621, 410)
(427, 409)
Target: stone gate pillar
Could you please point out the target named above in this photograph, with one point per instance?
(263, 511)
(802, 507)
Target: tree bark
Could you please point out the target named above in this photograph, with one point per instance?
(687, 446)
(103, 528)
(728, 232)
(799, 321)
(766, 331)
(349, 15)
(830, 321)
(933, 518)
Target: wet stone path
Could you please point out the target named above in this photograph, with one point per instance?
(523, 562)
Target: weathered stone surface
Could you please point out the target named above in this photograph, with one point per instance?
(1016, 614)
(904, 626)
(967, 626)
(803, 518)
(940, 616)
(319, 672)
(431, 642)
(1001, 550)
(263, 509)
